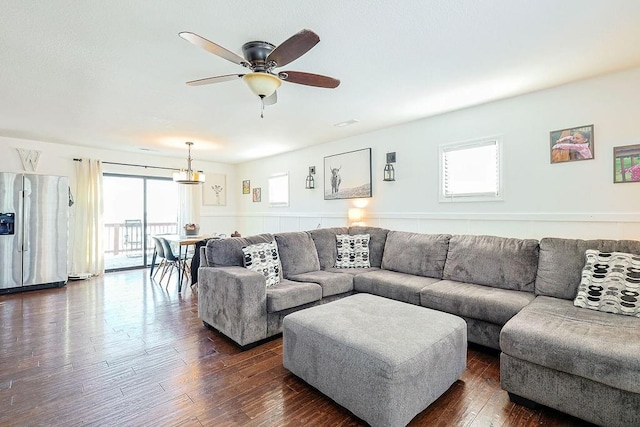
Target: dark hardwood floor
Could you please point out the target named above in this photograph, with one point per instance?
(125, 350)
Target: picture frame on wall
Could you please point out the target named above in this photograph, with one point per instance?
(214, 191)
(246, 186)
(572, 144)
(626, 164)
(257, 194)
(348, 175)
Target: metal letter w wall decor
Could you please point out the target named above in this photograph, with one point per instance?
(29, 158)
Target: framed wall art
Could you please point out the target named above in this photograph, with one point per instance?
(257, 194)
(626, 164)
(214, 190)
(568, 145)
(246, 186)
(348, 175)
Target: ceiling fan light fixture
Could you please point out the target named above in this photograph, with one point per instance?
(262, 84)
(188, 176)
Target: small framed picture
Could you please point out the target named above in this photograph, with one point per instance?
(214, 191)
(257, 194)
(568, 145)
(246, 186)
(626, 164)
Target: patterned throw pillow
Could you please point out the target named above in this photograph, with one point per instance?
(263, 258)
(610, 283)
(353, 251)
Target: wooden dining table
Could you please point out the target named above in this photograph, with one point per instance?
(184, 241)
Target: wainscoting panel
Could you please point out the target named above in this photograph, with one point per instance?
(532, 226)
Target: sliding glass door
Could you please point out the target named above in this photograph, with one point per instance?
(136, 207)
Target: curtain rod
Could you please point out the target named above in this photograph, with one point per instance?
(131, 164)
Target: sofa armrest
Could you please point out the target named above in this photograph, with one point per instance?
(233, 300)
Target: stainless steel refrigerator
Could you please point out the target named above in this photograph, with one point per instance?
(34, 231)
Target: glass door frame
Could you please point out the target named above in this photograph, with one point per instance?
(145, 249)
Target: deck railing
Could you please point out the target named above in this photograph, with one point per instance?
(126, 237)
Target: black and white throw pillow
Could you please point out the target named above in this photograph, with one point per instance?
(611, 283)
(352, 251)
(263, 258)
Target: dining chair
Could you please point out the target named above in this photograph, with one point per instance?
(158, 252)
(173, 261)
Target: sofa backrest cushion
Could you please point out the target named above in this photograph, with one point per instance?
(500, 262)
(325, 241)
(562, 261)
(228, 252)
(377, 240)
(297, 253)
(414, 253)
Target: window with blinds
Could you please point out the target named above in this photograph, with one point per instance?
(279, 190)
(470, 171)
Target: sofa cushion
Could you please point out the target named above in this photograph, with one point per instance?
(288, 294)
(228, 252)
(325, 241)
(414, 253)
(473, 301)
(352, 251)
(553, 333)
(493, 261)
(297, 253)
(331, 283)
(610, 283)
(561, 262)
(263, 258)
(391, 284)
(351, 271)
(378, 237)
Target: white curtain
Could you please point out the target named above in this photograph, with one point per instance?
(88, 248)
(189, 211)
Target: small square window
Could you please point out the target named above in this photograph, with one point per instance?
(279, 190)
(470, 171)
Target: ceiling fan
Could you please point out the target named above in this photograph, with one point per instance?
(262, 58)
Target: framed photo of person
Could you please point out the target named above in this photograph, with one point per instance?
(626, 164)
(257, 194)
(246, 186)
(568, 145)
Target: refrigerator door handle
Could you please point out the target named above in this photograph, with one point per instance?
(21, 227)
(25, 220)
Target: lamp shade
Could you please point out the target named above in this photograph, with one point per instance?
(262, 84)
(355, 216)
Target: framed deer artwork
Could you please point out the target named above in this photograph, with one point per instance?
(348, 175)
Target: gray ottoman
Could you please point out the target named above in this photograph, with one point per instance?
(384, 360)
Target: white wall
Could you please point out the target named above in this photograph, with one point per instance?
(574, 199)
(57, 159)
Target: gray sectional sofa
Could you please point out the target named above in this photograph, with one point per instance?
(516, 295)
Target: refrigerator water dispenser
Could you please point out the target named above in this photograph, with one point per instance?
(7, 223)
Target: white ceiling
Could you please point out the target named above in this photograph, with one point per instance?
(112, 73)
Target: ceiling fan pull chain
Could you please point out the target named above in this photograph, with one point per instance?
(262, 109)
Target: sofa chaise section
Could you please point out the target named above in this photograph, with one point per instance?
(582, 362)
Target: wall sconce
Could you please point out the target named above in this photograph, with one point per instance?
(355, 216)
(310, 183)
(389, 171)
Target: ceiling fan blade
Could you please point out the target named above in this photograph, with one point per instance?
(294, 47)
(213, 48)
(216, 79)
(309, 79)
(271, 99)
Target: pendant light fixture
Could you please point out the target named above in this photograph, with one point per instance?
(188, 176)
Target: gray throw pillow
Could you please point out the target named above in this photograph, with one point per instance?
(610, 283)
